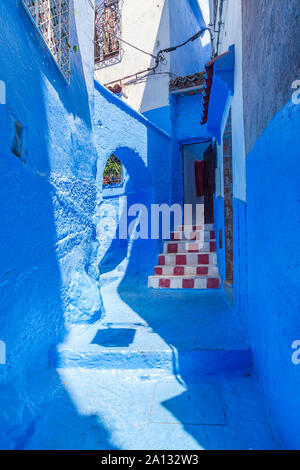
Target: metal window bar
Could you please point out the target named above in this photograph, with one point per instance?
(52, 20)
(107, 30)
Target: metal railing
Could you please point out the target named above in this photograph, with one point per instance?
(52, 21)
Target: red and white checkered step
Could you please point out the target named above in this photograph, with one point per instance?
(199, 270)
(190, 235)
(190, 247)
(195, 228)
(184, 282)
(188, 261)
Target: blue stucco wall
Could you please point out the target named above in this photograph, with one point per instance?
(48, 279)
(273, 174)
(240, 273)
(161, 117)
(51, 243)
(186, 129)
(219, 225)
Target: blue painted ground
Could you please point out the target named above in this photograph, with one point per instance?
(161, 370)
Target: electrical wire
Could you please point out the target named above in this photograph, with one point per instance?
(160, 56)
(193, 38)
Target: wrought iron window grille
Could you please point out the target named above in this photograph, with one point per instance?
(52, 21)
(108, 50)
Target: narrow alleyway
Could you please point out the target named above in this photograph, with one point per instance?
(146, 378)
(149, 225)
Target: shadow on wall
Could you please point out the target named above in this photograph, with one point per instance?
(36, 409)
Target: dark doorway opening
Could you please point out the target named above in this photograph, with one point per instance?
(198, 175)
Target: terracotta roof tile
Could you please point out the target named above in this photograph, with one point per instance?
(189, 81)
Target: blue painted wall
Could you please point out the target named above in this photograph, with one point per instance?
(47, 237)
(240, 273)
(161, 117)
(50, 245)
(273, 175)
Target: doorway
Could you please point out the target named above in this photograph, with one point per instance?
(198, 172)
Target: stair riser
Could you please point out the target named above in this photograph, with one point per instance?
(187, 259)
(194, 363)
(159, 282)
(163, 360)
(186, 270)
(192, 247)
(197, 236)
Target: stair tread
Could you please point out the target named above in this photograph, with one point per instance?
(190, 242)
(188, 253)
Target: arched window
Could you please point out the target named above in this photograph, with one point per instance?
(112, 171)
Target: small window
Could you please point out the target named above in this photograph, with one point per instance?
(51, 18)
(107, 33)
(18, 138)
(113, 171)
(2, 92)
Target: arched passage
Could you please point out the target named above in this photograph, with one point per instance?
(117, 249)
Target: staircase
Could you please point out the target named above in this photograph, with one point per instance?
(188, 261)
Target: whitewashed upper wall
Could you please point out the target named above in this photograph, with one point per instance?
(230, 34)
(151, 26)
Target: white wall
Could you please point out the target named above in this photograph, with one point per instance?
(146, 25)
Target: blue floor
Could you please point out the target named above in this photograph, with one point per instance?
(161, 370)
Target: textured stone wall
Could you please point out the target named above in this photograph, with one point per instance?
(48, 279)
(50, 247)
(271, 60)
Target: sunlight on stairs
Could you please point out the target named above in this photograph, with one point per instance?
(189, 260)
